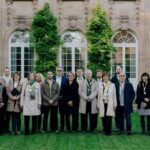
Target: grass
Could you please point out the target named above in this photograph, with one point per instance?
(79, 141)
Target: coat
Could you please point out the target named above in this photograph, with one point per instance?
(83, 96)
(13, 105)
(70, 92)
(140, 95)
(48, 94)
(31, 107)
(129, 95)
(112, 101)
(63, 81)
(4, 100)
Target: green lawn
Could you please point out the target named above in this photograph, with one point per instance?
(78, 141)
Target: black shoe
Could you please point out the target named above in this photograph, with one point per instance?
(94, 131)
(84, 131)
(148, 133)
(117, 130)
(26, 134)
(56, 131)
(129, 133)
(143, 132)
(121, 132)
(108, 134)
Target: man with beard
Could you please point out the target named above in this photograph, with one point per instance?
(50, 95)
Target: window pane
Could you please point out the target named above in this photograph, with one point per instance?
(28, 60)
(15, 59)
(67, 59)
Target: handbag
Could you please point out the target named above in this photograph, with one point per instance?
(15, 92)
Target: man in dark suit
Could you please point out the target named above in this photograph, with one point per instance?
(115, 80)
(61, 80)
(125, 96)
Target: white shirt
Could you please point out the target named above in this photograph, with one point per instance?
(7, 79)
(99, 82)
(15, 84)
(79, 80)
(122, 90)
(58, 80)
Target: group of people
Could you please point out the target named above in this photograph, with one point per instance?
(72, 97)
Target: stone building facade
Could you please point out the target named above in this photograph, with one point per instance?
(130, 19)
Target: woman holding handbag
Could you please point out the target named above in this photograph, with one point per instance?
(13, 105)
(143, 101)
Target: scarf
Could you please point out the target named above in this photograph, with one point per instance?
(32, 89)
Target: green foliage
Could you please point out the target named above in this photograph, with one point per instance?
(99, 35)
(44, 34)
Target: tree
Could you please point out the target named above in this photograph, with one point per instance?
(99, 35)
(44, 35)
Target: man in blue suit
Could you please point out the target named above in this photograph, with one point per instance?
(61, 80)
(125, 96)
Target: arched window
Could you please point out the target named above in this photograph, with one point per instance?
(72, 54)
(126, 55)
(21, 56)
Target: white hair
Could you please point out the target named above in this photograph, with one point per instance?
(88, 71)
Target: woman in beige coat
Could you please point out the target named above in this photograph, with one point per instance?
(88, 102)
(13, 105)
(107, 103)
(31, 102)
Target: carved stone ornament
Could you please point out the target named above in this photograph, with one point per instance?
(124, 22)
(21, 20)
(9, 12)
(9, 1)
(72, 22)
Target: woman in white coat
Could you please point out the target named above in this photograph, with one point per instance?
(107, 103)
(31, 102)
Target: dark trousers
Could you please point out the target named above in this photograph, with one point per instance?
(107, 122)
(121, 115)
(16, 121)
(27, 122)
(74, 114)
(2, 123)
(142, 120)
(39, 122)
(7, 121)
(53, 110)
(116, 120)
(84, 119)
(62, 115)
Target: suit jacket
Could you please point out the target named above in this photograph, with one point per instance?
(129, 95)
(50, 94)
(63, 81)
